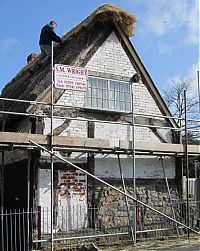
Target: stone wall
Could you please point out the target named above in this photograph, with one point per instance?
(112, 210)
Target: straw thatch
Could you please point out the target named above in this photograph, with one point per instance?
(99, 24)
(109, 13)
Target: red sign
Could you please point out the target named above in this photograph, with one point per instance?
(69, 77)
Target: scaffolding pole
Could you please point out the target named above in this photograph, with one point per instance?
(187, 163)
(99, 121)
(180, 116)
(35, 102)
(113, 187)
(28, 199)
(133, 155)
(198, 84)
(51, 146)
(169, 194)
(126, 200)
(2, 186)
(2, 198)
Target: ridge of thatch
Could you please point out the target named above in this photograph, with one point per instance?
(119, 16)
(105, 13)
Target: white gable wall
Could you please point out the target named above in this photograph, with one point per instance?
(111, 58)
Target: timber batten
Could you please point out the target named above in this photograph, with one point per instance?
(14, 139)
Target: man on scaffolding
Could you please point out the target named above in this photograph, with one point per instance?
(47, 35)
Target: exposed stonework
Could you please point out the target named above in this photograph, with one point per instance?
(112, 206)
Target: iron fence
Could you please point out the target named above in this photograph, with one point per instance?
(180, 208)
(150, 224)
(22, 230)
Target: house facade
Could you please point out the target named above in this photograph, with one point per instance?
(103, 112)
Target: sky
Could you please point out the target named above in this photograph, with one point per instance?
(166, 35)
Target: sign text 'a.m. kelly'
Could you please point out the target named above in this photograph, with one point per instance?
(69, 77)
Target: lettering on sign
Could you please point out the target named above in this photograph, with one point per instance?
(69, 77)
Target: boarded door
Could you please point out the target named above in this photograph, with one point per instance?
(72, 199)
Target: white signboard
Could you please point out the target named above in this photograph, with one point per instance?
(69, 77)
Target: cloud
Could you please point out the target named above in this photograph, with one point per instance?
(193, 23)
(164, 17)
(7, 45)
(164, 48)
(191, 76)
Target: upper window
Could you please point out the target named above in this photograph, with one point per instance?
(106, 94)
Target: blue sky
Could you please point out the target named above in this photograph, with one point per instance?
(166, 36)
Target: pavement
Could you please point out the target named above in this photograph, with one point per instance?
(194, 247)
(173, 244)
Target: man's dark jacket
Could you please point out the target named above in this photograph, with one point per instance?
(47, 35)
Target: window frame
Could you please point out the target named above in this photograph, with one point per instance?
(88, 105)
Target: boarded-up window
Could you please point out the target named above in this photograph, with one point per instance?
(106, 94)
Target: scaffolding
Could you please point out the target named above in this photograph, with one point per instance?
(55, 143)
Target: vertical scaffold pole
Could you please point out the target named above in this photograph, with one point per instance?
(187, 162)
(125, 197)
(133, 155)
(180, 116)
(169, 194)
(2, 199)
(198, 84)
(2, 186)
(28, 199)
(51, 146)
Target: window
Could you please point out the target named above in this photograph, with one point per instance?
(108, 94)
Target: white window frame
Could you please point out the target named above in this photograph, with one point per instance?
(111, 96)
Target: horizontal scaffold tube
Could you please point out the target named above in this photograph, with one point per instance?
(35, 102)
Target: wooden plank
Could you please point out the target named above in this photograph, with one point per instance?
(80, 142)
(158, 147)
(14, 138)
(22, 138)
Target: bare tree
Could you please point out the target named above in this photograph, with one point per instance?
(174, 98)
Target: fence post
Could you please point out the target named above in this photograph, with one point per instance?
(39, 218)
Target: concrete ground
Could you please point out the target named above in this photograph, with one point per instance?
(175, 244)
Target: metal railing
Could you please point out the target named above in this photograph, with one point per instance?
(78, 225)
(150, 224)
(72, 227)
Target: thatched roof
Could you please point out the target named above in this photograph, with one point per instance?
(110, 12)
(79, 45)
(105, 14)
